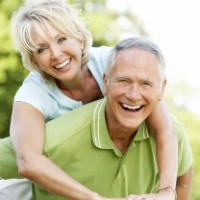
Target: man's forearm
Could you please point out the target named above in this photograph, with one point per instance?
(184, 184)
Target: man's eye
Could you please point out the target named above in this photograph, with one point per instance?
(146, 83)
(123, 81)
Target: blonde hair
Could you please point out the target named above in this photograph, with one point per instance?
(46, 13)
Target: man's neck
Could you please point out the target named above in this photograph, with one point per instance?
(122, 143)
(120, 134)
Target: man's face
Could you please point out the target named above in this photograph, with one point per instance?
(133, 88)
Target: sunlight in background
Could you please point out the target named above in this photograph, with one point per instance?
(175, 26)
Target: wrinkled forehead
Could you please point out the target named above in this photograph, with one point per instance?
(132, 61)
(129, 72)
(137, 59)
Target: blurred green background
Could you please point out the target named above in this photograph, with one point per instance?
(107, 28)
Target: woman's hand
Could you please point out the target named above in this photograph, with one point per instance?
(162, 195)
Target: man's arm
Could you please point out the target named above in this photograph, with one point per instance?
(183, 186)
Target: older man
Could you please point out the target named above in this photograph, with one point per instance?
(109, 148)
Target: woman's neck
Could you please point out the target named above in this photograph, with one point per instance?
(83, 88)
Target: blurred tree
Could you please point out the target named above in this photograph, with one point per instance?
(11, 72)
(106, 26)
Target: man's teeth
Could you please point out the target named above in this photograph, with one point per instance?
(62, 64)
(131, 107)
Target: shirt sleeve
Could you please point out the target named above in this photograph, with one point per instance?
(97, 63)
(35, 91)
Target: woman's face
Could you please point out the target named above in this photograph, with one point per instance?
(58, 54)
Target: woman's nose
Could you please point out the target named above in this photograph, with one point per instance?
(56, 52)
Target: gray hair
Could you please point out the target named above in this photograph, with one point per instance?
(135, 43)
(46, 13)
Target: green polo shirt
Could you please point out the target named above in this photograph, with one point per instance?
(8, 162)
(79, 143)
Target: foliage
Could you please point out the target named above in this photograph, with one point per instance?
(11, 71)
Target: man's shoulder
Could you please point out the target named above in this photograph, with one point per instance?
(178, 127)
(81, 111)
(63, 127)
(74, 117)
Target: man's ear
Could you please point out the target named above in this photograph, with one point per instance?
(105, 80)
(163, 89)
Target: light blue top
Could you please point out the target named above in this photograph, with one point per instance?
(48, 98)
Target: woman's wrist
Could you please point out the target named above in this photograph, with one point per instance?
(169, 188)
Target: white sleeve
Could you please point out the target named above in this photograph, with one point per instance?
(35, 92)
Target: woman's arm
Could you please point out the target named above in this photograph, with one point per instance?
(27, 134)
(166, 145)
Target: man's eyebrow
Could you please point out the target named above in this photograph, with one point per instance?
(121, 76)
(146, 80)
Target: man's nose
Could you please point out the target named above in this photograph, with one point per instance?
(133, 92)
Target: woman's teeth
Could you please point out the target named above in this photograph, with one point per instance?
(62, 64)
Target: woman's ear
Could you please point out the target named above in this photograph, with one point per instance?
(82, 44)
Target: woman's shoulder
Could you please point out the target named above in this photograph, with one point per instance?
(35, 81)
(45, 96)
(98, 58)
(36, 92)
(35, 78)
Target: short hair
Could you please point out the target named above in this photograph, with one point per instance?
(34, 15)
(135, 43)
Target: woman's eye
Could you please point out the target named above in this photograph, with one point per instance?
(62, 39)
(41, 50)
